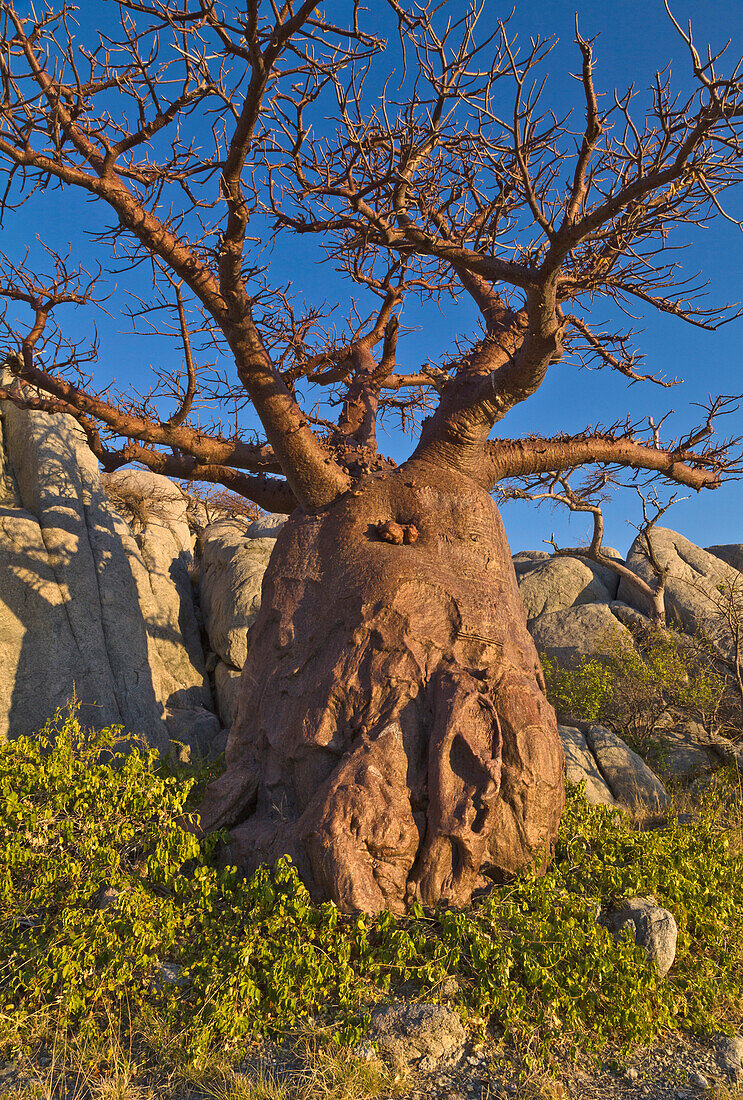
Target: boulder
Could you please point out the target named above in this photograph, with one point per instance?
(682, 756)
(567, 636)
(69, 601)
(732, 553)
(653, 928)
(627, 775)
(580, 765)
(528, 559)
(195, 728)
(729, 1050)
(410, 1032)
(266, 527)
(684, 750)
(692, 586)
(559, 583)
(156, 512)
(630, 617)
(79, 612)
(232, 568)
(153, 504)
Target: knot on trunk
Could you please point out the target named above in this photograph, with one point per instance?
(398, 533)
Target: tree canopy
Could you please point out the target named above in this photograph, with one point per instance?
(203, 128)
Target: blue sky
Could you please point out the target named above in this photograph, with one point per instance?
(635, 39)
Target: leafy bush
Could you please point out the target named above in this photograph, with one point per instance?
(631, 690)
(584, 693)
(256, 956)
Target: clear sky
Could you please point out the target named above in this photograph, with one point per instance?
(635, 39)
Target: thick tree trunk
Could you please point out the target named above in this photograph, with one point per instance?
(391, 734)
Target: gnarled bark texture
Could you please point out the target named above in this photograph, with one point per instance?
(391, 733)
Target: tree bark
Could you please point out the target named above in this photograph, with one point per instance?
(392, 735)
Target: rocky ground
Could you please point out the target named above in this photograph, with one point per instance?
(677, 1069)
(433, 1059)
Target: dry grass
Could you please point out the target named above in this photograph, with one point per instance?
(318, 1071)
(725, 1092)
(313, 1068)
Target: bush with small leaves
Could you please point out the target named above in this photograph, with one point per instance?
(100, 885)
(631, 689)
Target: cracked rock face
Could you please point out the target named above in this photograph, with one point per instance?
(79, 608)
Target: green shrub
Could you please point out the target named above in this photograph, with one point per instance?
(631, 690)
(584, 692)
(258, 957)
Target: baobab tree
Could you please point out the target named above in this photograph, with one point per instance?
(392, 733)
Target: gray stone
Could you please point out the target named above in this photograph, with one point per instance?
(153, 503)
(169, 973)
(232, 568)
(560, 583)
(79, 610)
(654, 929)
(194, 728)
(580, 765)
(409, 1032)
(731, 552)
(630, 616)
(698, 1080)
(607, 576)
(106, 897)
(218, 746)
(226, 683)
(71, 581)
(156, 512)
(692, 586)
(729, 1050)
(266, 527)
(529, 559)
(567, 636)
(685, 751)
(627, 775)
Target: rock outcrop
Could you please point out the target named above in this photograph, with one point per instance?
(232, 568)
(627, 775)
(567, 636)
(731, 552)
(560, 583)
(693, 585)
(234, 557)
(80, 612)
(581, 767)
(614, 775)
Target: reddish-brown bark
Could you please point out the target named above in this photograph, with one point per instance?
(392, 734)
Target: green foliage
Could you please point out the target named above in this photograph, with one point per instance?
(585, 692)
(258, 957)
(631, 690)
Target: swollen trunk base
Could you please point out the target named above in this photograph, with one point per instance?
(391, 733)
